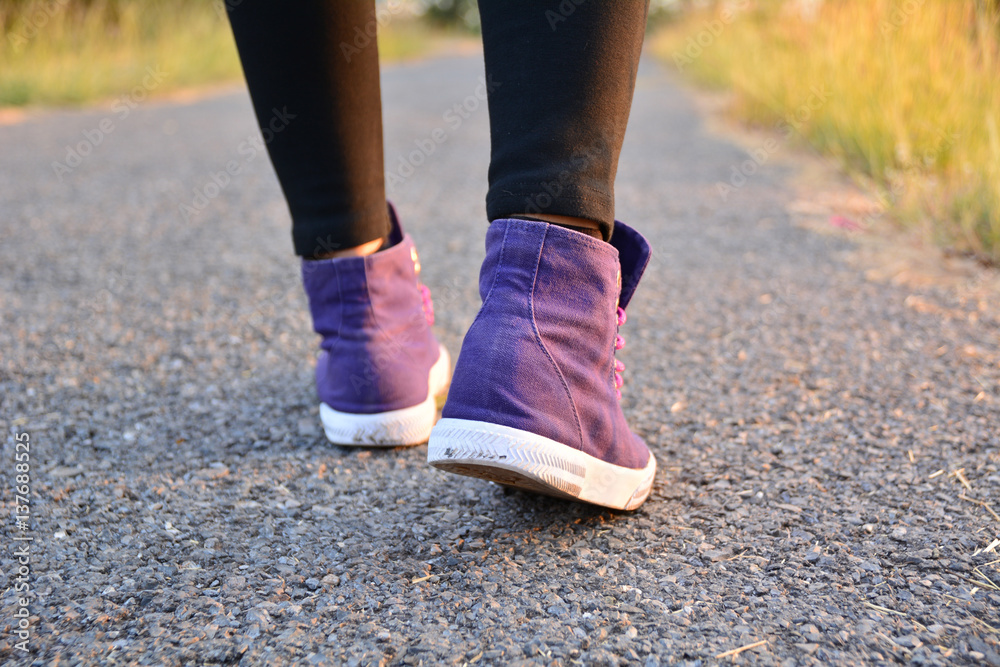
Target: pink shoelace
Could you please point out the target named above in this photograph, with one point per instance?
(428, 304)
(619, 366)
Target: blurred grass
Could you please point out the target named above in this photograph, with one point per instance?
(906, 95)
(71, 52)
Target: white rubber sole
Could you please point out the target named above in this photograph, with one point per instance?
(529, 461)
(395, 428)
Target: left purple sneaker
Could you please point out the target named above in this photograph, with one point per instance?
(381, 367)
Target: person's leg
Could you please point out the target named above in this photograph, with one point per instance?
(535, 397)
(562, 85)
(381, 366)
(319, 104)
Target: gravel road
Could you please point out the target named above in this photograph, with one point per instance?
(826, 442)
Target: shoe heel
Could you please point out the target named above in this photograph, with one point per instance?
(395, 428)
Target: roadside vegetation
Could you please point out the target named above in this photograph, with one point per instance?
(72, 52)
(908, 90)
(908, 95)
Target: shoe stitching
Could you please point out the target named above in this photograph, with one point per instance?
(401, 345)
(340, 305)
(496, 272)
(541, 343)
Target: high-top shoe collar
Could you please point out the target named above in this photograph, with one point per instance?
(395, 238)
(633, 256)
(395, 230)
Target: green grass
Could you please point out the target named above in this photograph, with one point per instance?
(72, 52)
(908, 96)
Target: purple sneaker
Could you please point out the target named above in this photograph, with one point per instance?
(380, 368)
(534, 400)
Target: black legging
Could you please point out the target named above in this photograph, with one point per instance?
(566, 73)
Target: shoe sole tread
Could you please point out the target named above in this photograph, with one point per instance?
(525, 460)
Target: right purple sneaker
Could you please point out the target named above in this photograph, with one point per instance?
(534, 400)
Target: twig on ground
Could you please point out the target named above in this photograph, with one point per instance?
(982, 503)
(992, 546)
(976, 583)
(960, 474)
(992, 584)
(986, 625)
(889, 639)
(881, 608)
(737, 651)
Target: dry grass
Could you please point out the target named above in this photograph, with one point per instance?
(56, 52)
(904, 92)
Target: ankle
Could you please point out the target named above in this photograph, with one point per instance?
(582, 225)
(362, 250)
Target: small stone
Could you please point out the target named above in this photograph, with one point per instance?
(936, 629)
(307, 428)
(312, 583)
(899, 534)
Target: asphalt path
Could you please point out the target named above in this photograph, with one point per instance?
(828, 444)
